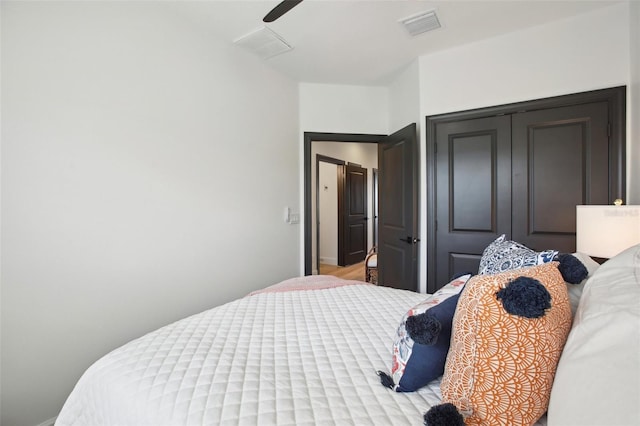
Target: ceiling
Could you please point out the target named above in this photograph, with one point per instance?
(361, 41)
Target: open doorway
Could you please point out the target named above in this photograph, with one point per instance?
(311, 139)
(341, 215)
(397, 200)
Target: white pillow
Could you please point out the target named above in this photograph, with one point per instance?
(598, 377)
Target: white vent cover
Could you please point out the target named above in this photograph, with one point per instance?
(422, 22)
(264, 42)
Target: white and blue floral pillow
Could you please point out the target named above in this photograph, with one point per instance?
(415, 364)
(504, 255)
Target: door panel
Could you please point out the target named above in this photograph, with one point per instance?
(355, 194)
(560, 160)
(398, 216)
(471, 172)
(473, 199)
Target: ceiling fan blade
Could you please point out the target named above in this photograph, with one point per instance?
(280, 10)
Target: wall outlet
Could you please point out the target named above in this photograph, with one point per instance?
(294, 218)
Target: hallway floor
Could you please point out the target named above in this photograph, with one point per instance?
(351, 272)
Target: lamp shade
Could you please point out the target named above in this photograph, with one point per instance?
(604, 231)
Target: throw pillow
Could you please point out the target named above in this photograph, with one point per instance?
(508, 333)
(422, 341)
(504, 255)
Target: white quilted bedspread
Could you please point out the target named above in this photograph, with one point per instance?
(286, 358)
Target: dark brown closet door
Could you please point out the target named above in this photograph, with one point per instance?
(563, 151)
(473, 192)
(560, 160)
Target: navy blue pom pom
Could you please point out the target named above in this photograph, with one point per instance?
(386, 380)
(424, 328)
(573, 271)
(525, 297)
(443, 415)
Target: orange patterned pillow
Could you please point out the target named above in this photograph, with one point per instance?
(500, 367)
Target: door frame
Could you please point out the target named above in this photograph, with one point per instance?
(374, 205)
(615, 97)
(309, 138)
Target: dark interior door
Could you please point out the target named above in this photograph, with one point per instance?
(560, 160)
(473, 186)
(398, 209)
(355, 214)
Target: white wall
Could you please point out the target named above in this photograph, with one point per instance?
(563, 57)
(343, 109)
(145, 169)
(404, 98)
(365, 154)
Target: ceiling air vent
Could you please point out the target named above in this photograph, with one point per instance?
(264, 42)
(421, 23)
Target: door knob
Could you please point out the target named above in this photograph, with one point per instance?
(410, 240)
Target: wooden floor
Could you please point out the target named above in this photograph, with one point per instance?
(351, 272)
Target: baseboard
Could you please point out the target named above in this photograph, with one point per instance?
(329, 261)
(49, 422)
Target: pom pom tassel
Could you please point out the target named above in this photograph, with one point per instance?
(386, 380)
(573, 271)
(443, 415)
(424, 328)
(525, 297)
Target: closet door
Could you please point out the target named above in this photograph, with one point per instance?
(519, 169)
(473, 192)
(560, 160)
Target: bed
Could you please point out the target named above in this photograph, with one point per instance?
(306, 352)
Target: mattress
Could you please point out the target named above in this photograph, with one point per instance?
(286, 357)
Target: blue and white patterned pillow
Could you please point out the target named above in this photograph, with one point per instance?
(504, 255)
(414, 364)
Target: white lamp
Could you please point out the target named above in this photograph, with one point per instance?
(604, 231)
